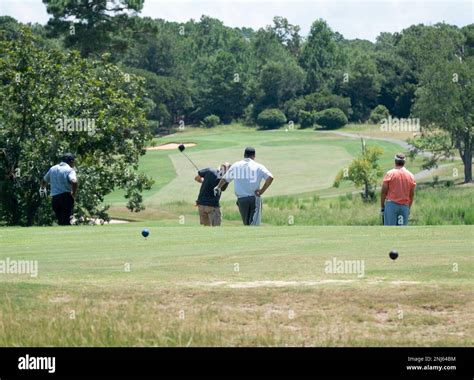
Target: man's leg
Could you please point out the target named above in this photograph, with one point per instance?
(67, 206)
(257, 214)
(56, 205)
(216, 216)
(246, 209)
(403, 215)
(390, 214)
(204, 216)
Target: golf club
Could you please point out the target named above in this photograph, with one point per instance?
(181, 148)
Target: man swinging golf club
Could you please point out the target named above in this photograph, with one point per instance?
(63, 181)
(208, 202)
(398, 191)
(248, 175)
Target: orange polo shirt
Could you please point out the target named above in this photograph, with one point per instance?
(400, 183)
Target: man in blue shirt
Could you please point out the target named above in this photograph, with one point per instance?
(63, 181)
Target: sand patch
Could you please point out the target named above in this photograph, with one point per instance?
(170, 146)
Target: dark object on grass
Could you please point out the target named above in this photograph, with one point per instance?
(393, 255)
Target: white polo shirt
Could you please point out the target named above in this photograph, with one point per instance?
(247, 175)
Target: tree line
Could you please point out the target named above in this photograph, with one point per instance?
(138, 76)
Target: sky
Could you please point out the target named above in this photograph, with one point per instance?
(351, 18)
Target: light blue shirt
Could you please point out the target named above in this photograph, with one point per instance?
(247, 175)
(60, 177)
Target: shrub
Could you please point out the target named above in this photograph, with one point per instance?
(293, 107)
(323, 100)
(211, 121)
(378, 114)
(248, 117)
(331, 118)
(271, 118)
(306, 119)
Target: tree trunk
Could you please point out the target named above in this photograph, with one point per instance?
(467, 158)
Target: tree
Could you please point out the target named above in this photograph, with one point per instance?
(445, 102)
(53, 102)
(321, 56)
(362, 87)
(363, 171)
(90, 25)
(278, 82)
(219, 87)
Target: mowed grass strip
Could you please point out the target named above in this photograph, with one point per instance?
(184, 286)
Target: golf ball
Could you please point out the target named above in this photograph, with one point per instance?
(393, 255)
(145, 233)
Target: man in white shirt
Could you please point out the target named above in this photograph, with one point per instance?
(248, 175)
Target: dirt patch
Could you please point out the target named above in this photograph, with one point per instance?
(170, 146)
(268, 283)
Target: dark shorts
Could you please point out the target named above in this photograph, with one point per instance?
(63, 204)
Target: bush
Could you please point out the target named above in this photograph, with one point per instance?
(306, 119)
(271, 118)
(378, 114)
(324, 100)
(331, 118)
(248, 117)
(211, 121)
(293, 107)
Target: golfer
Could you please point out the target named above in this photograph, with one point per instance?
(248, 175)
(398, 191)
(207, 202)
(63, 181)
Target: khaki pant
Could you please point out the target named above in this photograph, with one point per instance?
(209, 215)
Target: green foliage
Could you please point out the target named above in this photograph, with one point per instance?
(378, 114)
(317, 101)
(41, 88)
(331, 118)
(444, 100)
(271, 118)
(321, 56)
(293, 107)
(91, 28)
(363, 171)
(306, 119)
(211, 121)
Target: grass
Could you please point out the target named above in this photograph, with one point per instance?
(183, 287)
(304, 163)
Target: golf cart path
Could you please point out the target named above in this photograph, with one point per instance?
(420, 175)
(402, 143)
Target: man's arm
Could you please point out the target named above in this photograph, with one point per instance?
(412, 195)
(383, 194)
(199, 179)
(266, 185)
(74, 188)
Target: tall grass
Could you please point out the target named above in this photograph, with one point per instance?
(432, 206)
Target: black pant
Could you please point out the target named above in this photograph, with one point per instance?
(247, 209)
(63, 205)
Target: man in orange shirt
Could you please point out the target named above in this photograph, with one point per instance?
(398, 191)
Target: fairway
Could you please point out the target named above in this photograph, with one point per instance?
(106, 285)
(302, 161)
